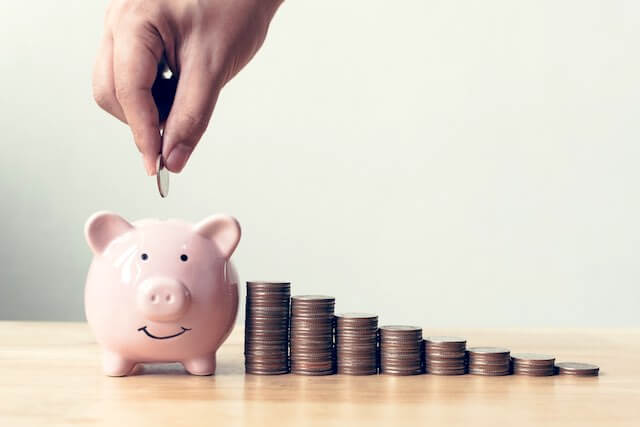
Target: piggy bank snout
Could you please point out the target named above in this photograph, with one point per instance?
(163, 299)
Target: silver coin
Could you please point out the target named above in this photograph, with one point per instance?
(162, 177)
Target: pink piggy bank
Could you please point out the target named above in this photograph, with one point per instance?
(161, 291)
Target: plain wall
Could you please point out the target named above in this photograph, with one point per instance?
(441, 163)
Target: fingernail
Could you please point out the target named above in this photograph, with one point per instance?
(178, 157)
(149, 165)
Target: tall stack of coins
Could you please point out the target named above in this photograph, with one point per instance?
(577, 369)
(533, 365)
(266, 333)
(357, 343)
(400, 350)
(445, 355)
(492, 361)
(312, 351)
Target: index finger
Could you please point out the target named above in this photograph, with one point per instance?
(137, 52)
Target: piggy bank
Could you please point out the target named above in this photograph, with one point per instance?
(161, 291)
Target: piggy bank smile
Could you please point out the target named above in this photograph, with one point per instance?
(155, 337)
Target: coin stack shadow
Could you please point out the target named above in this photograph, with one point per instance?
(533, 365)
(445, 355)
(266, 333)
(357, 343)
(312, 351)
(400, 350)
(489, 361)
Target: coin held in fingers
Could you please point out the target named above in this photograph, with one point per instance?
(162, 177)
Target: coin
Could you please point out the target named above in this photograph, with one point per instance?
(399, 329)
(312, 299)
(162, 177)
(445, 341)
(489, 351)
(577, 369)
(533, 358)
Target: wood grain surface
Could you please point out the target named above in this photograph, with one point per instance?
(50, 375)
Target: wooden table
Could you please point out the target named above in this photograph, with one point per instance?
(50, 374)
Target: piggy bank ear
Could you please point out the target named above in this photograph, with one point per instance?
(102, 227)
(223, 230)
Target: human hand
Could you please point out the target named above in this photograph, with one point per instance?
(206, 43)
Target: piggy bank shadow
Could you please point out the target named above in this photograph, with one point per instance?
(158, 369)
(223, 368)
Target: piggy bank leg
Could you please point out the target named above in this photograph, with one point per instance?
(115, 365)
(205, 365)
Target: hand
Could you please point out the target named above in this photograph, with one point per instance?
(206, 43)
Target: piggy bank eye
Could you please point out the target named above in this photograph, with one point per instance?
(144, 256)
(184, 258)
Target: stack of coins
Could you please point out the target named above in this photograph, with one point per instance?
(491, 361)
(266, 333)
(400, 350)
(533, 365)
(445, 355)
(577, 369)
(357, 343)
(312, 351)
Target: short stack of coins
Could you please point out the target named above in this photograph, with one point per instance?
(445, 355)
(400, 350)
(577, 369)
(266, 334)
(533, 365)
(356, 343)
(491, 361)
(312, 350)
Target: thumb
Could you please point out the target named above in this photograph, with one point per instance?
(196, 96)
(137, 52)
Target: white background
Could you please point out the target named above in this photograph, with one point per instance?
(441, 163)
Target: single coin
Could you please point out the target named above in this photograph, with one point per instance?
(400, 328)
(532, 358)
(443, 340)
(162, 177)
(266, 283)
(489, 351)
(314, 298)
(363, 316)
